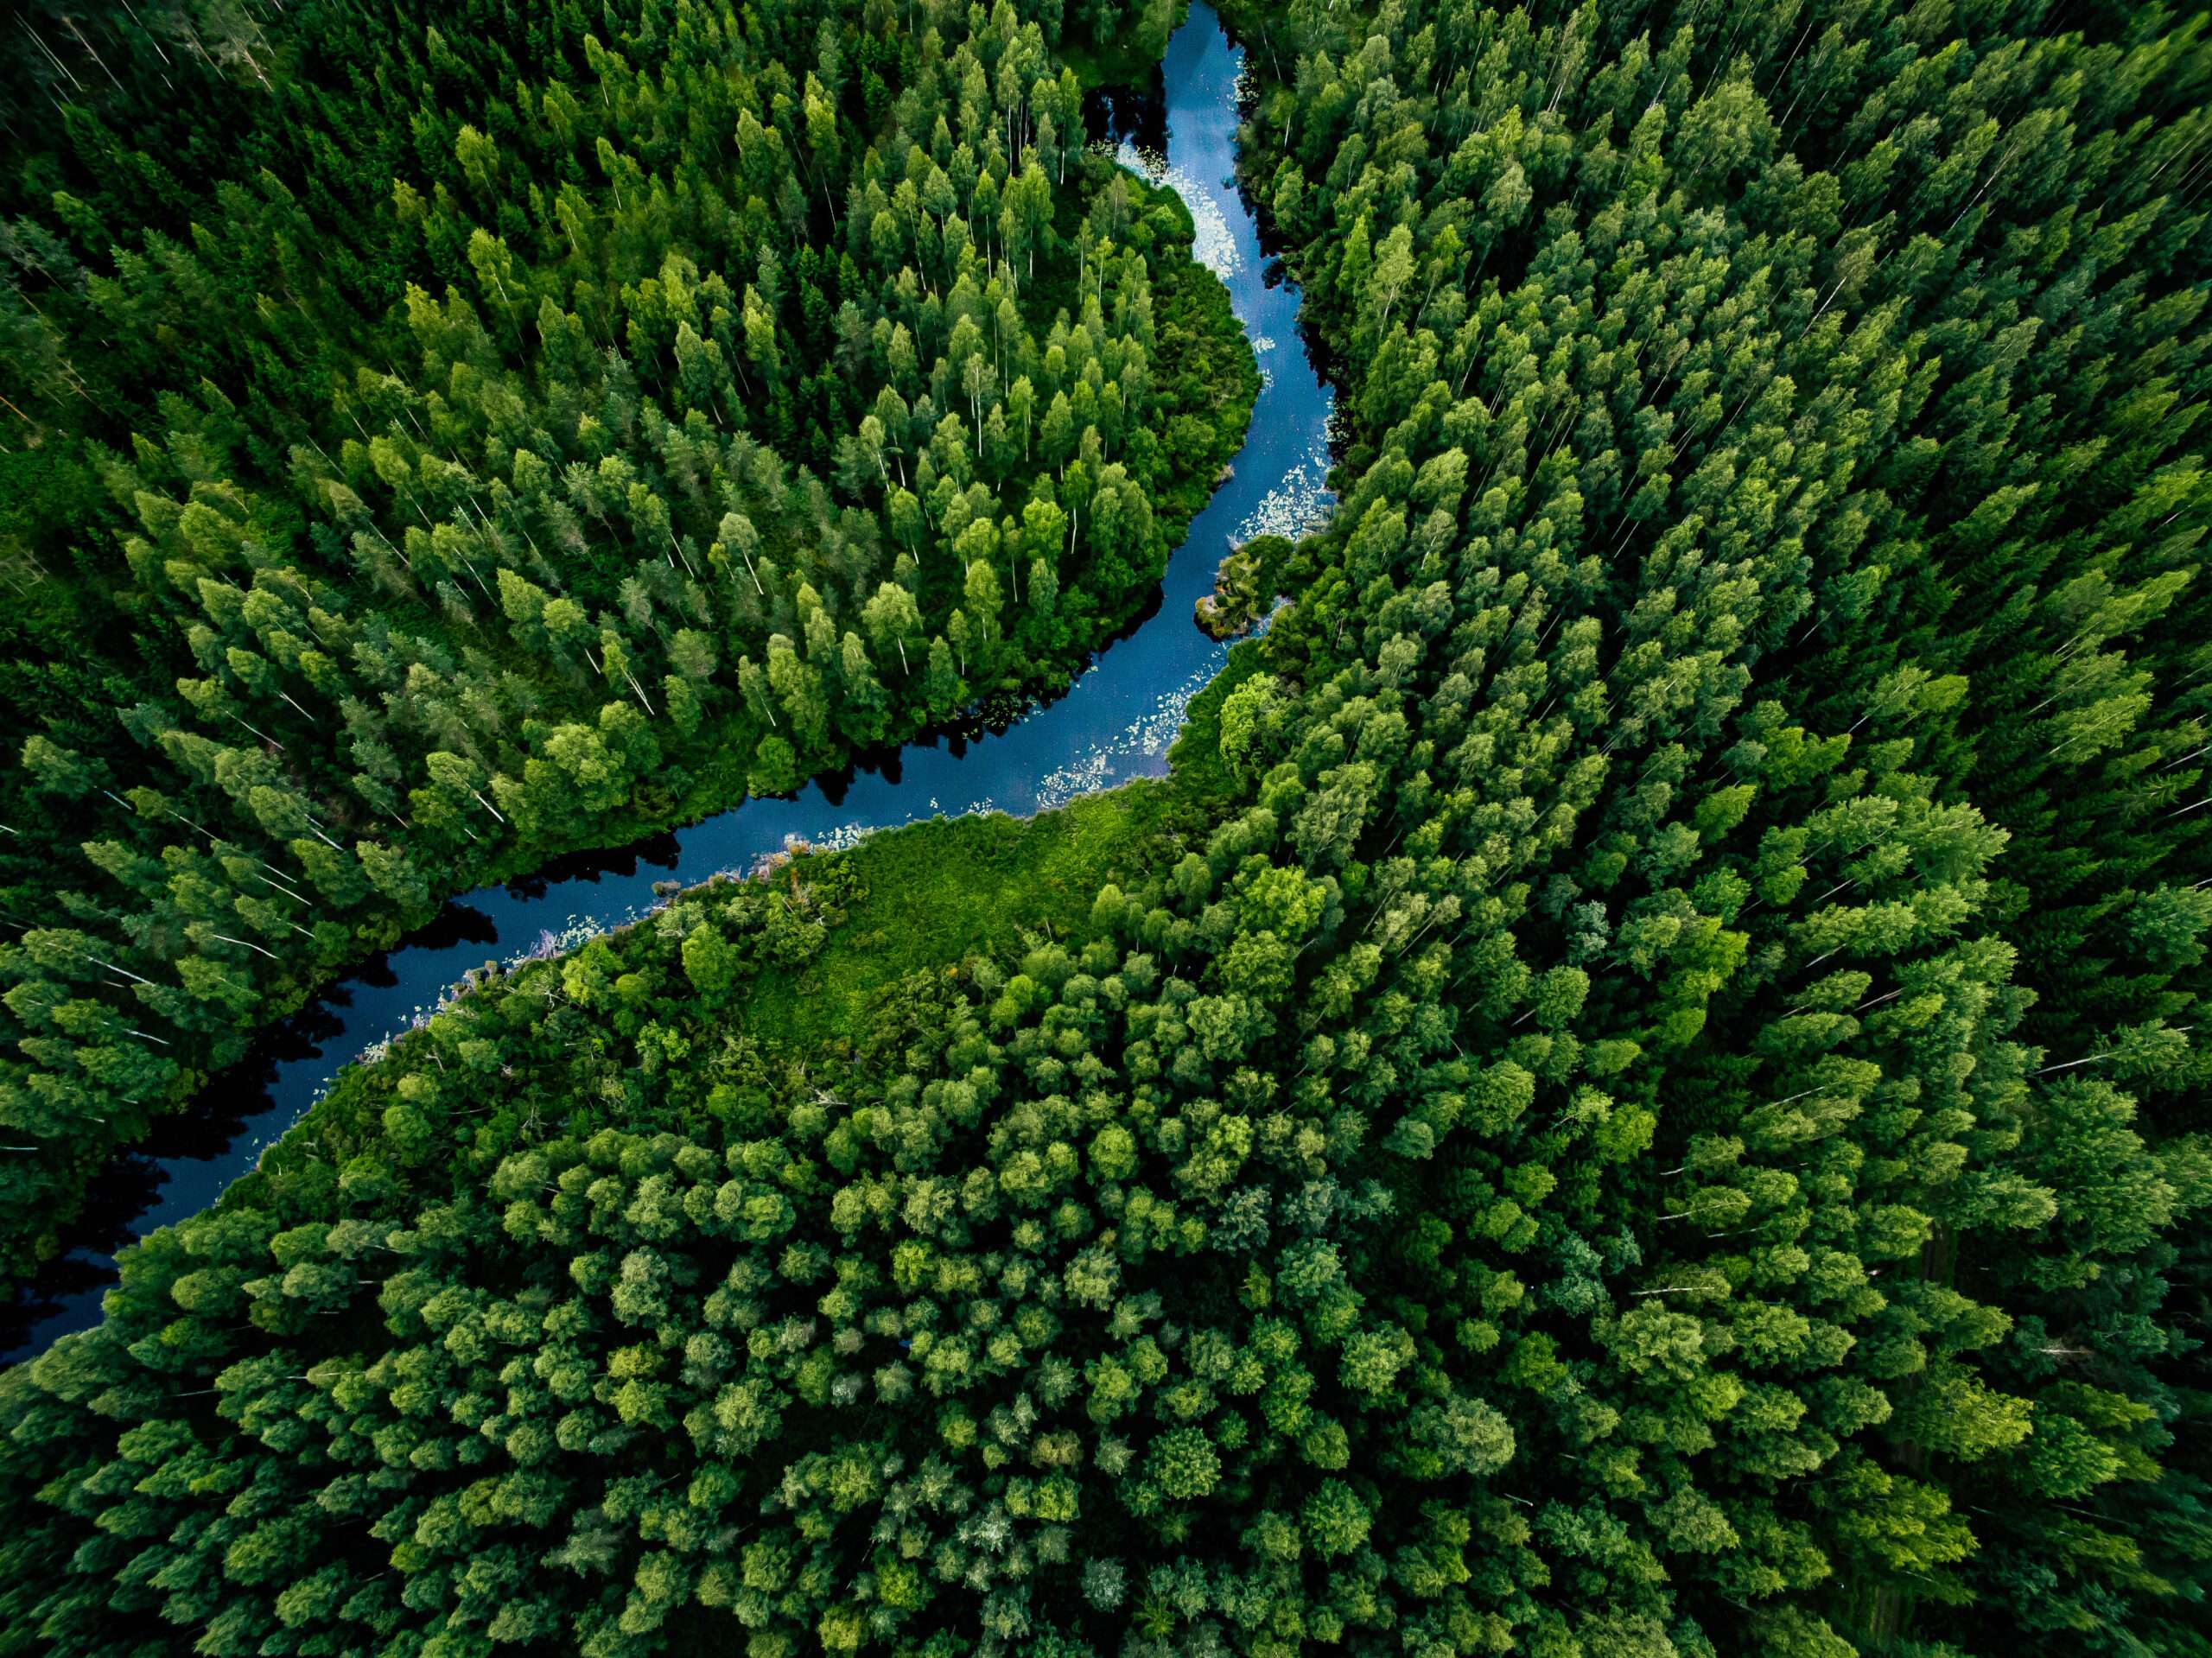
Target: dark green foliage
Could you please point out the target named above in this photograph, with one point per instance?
(1663, 1115)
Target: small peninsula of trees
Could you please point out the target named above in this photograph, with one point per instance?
(1660, 1115)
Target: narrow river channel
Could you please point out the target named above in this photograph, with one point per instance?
(1114, 724)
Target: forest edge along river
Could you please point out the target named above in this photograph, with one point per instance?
(1114, 724)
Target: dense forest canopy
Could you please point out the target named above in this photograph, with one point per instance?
(1660, 1113)
(607, 417)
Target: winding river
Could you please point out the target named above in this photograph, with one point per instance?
(1114, 724)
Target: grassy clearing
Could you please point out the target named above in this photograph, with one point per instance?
(940, 893)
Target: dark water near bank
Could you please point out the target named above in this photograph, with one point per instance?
(1115, 723)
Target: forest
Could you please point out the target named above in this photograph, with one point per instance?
(566, 473)
(1641, 1095)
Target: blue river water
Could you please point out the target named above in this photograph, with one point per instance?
(1115, 723)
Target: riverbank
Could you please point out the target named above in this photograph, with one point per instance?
(940, 893)
(942, 897)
